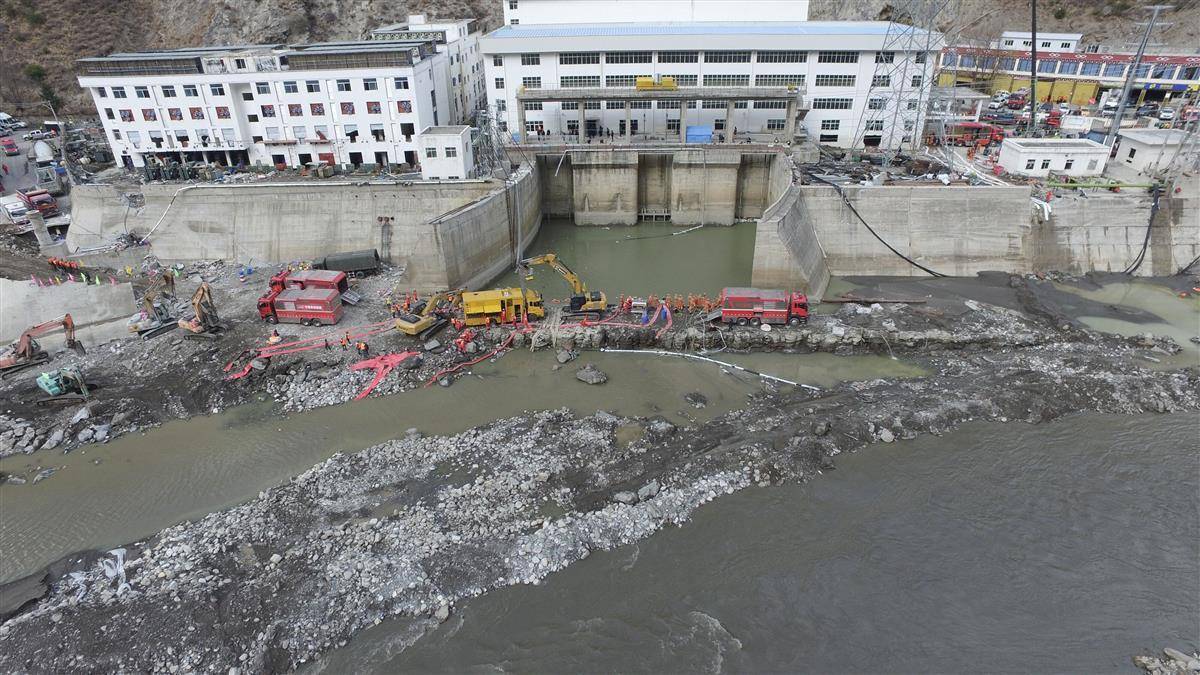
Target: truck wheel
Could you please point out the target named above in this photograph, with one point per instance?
(317, 322)
(305, 322)
(794, 321)
(742, 321)
(755, 321)
(270, 318)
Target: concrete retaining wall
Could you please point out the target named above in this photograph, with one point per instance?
(280, 222)
(99, 312)
(755, 190)
(787, 253)
(1105, 231)
(605, 190)
(954, 230)
(558, 185)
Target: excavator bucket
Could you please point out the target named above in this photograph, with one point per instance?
(77, 347)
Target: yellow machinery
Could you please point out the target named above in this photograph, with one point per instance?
(425, 320)
(500, 305)
(206, 324)
(581, 299)
(664, 82)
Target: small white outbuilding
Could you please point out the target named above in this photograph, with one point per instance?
(1037, 157)
(1148, 150)
(446, 153)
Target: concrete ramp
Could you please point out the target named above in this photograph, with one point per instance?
(99, 312)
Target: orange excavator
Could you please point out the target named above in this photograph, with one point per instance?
(27, 353)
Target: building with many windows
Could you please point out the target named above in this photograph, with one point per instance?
(342, 103)
(459, 41)
(531, 12)
(832, 68)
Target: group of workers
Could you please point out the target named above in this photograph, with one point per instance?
(676, 303)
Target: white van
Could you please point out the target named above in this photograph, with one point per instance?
(14, 209)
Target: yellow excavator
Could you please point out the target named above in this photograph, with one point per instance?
(581, 299)
(425, 319)
(206, 325)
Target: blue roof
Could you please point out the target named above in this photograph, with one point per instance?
(693, 28)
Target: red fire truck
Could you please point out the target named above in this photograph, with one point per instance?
(754, 306)
(307, 306)
(310, 279)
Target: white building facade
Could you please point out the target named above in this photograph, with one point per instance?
(459, 41)
(1047, 42)
(352, 103)
(537, 12)
(1152, 150)
(1038, 157)
(447, 153)
(835, 68)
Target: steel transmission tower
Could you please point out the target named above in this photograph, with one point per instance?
(905, 68)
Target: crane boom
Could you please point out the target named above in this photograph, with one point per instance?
(581, 300)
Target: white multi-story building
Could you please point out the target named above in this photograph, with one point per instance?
(838, 68)
(459, 41)
(342, 103)
(1047, 42)
(531, 12)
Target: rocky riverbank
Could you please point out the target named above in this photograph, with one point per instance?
(406, 529)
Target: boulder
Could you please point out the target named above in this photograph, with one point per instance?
(590, 374)
(625, 497)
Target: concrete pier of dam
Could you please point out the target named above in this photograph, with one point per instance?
(452, 234)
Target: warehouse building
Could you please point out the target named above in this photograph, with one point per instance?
(833, 80)
(342, 103)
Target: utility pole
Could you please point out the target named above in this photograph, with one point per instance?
(1155, 10)
(1033, 100)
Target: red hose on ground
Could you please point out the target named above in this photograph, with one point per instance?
(383, 365)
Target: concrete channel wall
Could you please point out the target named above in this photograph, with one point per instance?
(99, 312)
(445, 234)
(787, 252)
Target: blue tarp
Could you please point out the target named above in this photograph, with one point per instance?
(699, 134)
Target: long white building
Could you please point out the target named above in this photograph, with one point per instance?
(536, 12)
(459, 41)
(855, 92)
(345, 103)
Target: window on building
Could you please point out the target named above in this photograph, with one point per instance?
(885, 57)
(450, 151)
(316, 109)
(350, 131)
(781, 56)
(837, 57)
(727, 80)
(295, 110)
(531, 82)
(1064, 45)
(1008, 43)
(569, 105)
(262, 87)
(247, 96)
(685, 80)
(168, 91)
(290, 87)
(175, 114)
(1132, 152)
(1045, 164)
(828, 138)
(118, 92)
(678, 57)
(240, 64)
(101, 92)
(499, 82)
(514, 22)
(715, 105)
(312, 86)
(881, 81)
(300, 133)
(578, 58)
(251, 117)
(917, 80)
(1068, 164)
(1029, 164)
(1189, 73)
(149, 115)
(222, 112)
(498, 61)
(431, 153)
(190, 90)
(400, 82)
(776, 124)
(912, 103)
(834, 81)
(793, 80)
(512, 4)
(1114, 69)
(1024, 65)
(1048, 67)
(831, 125)
(921, 57)
(533, 106)
(347, 107)
(217, 89)
(501, 105)
(876, 103)
(621, 80)
(574, 81)
(639, 105)
(1089, 69)
(770, 105)
(1092, 163)
(1046, 43)
(502, 126)
(268, 110)
(874, 125)
(1006, 63)
(531, 59)
(142, 92)
(377, 132)
(1163, 71)
(672, 125)
(370, 84)
(627, 57)
(343, 85)
(196, 113)
(726, 56)
(1068, 67)
(109, 114)
(832, 103)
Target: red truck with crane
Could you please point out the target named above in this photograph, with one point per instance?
(308, 297)
(753, 306)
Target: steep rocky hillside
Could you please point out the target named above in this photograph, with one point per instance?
(41, 38)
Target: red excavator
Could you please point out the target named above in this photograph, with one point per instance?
(27, 353)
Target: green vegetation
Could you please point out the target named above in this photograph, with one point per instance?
(37, 73)
(1060, 13)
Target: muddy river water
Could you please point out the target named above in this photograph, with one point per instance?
(1064, 547)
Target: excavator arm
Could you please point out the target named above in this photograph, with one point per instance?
(436, 299)
(26, 346)
(577, 285)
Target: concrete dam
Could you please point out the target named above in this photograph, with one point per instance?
(450, 234)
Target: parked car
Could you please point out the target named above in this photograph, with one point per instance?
(1166, 114)
(9, 146)
(1147, 110)
(17, 124)
(36, 135)
(996, 104)
(15, 210)
(1000, 94)
(1003, 118)
(5, 131)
